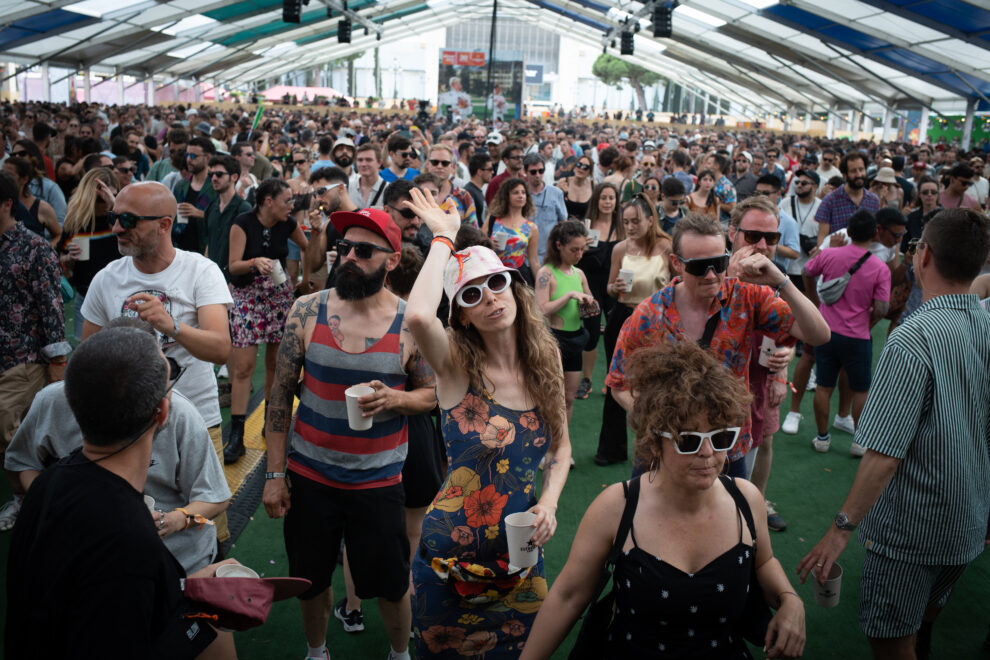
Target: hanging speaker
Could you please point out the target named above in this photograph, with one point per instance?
(626, 44)
(292, 11)
(663, 21)
(344, 31)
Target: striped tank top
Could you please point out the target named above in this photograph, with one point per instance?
(322, 446)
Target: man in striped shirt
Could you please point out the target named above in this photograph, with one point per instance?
(922, 491)
(347, 482)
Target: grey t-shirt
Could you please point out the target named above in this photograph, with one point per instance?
(184, 465)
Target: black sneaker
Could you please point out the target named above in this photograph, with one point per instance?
(353, 621)
(584, 389)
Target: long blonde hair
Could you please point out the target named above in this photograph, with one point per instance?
(81, 211)
(542, 373)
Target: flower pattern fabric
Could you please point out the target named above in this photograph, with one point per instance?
(259, 312)
(493, 452)
(514, 254)
(743, 309)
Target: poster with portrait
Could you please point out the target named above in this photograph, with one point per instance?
(463, 88)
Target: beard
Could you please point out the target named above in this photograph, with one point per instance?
(858, 183)
(344, 161)
(353, 284)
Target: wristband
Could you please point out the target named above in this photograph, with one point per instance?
(788, 383)
(251, 265)
(780, 287)
(188, 515)
(445, 241)
(274, 475)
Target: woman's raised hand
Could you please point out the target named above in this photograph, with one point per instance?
(437, 219)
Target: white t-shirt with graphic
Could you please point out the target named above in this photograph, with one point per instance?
(191, 281)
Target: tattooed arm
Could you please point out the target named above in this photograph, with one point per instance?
(291, 356)
(556, 466)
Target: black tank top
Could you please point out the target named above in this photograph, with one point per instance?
(662, 612)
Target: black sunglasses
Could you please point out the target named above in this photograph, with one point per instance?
(539, 171)
(913, 246)
(129, 220)
(439, 163)
(583, 166)
(408, 214)
(753, 237)
(127, 170)
(699, 267)
(175, 370)
(19, 154)
(362, 250)
(218, 174)
(297, 163)
(404, 154)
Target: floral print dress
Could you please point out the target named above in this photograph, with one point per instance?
(494, 453)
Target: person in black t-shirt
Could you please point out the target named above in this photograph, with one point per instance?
(87, 573)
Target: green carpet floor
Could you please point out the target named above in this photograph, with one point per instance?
(807, 487)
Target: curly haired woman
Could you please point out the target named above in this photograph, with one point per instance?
(500, 389)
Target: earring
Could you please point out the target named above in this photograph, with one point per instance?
(654, 464)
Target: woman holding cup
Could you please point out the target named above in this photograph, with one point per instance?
(640, 267)
(683, 575)
(516, 236)
(500, 389)
(259, 244)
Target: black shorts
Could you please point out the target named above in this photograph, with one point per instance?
(849, 353)
(422, 472)
(374, 522)
(570, 355)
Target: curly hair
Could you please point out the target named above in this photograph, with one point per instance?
(563, 233)
(500, 205)
(672, 383)
(539, 356)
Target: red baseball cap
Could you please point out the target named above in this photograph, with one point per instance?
(919, 165)
(375, 220)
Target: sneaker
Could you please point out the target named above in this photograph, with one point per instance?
(822, 445)
(844, 424)
(791, 422)
(325, 656)
(584, 389)
(8, 515)
(812, 382)
(353, 621)
(774, 521)
(857, 450)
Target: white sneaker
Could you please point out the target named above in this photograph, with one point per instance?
(822, 445)
(857, 450)
(8, 515)
(791, 423)
(812, 382)
(844, 424)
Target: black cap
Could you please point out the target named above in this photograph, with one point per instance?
(811, 174)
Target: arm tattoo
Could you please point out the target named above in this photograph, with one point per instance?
(420, 372)
(543, 282)
(304, 310)
(291, 357)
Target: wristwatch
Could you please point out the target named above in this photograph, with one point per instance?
(842, 522)
(780, 287)
(175, 332)
(274, 475)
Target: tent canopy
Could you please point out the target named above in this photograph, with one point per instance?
(796, 55)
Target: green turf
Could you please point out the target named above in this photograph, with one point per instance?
(807, 487)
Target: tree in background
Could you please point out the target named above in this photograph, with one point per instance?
(613, 71)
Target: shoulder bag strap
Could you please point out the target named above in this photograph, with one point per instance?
(631, 490)
(862, 260)
(706, 338)
(378, 194)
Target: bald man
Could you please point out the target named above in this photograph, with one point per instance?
(182, 294)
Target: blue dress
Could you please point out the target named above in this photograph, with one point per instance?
(494, 453)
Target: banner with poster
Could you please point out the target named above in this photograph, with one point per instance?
(463, 86)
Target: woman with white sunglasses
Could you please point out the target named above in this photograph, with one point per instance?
(682, 571)
(500, 390)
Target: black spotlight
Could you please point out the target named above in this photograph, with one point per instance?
(662, 21)
(626, 44)
(291, 11)
(344, 31)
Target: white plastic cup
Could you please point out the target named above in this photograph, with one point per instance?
(235, 570)
(354, 418)
(595, 235)
(626, 275)
(278, 273)
(181, 219)
(827, 595)
(149, 502)
(767, 349)
(501, 238)
(83, 243)
(329, 260)
(519, 533)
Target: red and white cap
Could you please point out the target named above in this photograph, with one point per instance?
(375, 220)
(468, 264)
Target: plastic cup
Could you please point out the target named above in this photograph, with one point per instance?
(518, 533)
(149, 501)
(767, 349)
(278, 273)
(626, 275)
(501, 238)
(181, 219)
(827, 595)
(594, 235)
(235, 570)
(354, 418)
(83, 243)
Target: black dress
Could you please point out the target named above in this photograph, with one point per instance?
(577, 210)
(663, 612)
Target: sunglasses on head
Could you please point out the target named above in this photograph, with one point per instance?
(436, 162)
(129, 220)
(472, 294)
(753, 237)
(699, 267)
(689, 442)
(362, 250)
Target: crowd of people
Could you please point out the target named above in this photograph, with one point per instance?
(465, 275)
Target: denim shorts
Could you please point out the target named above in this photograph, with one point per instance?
(841, 352)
